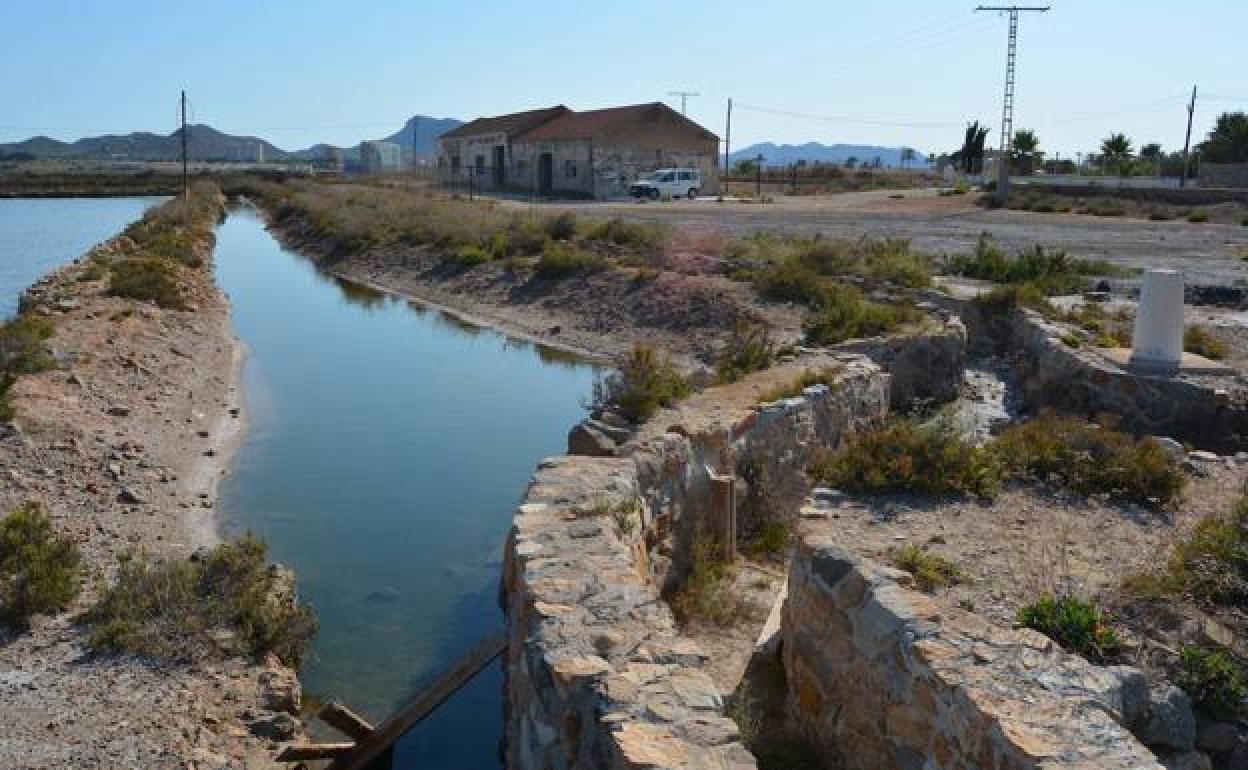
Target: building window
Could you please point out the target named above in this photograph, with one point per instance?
(569, 169)
(522, 167)
(480, 163)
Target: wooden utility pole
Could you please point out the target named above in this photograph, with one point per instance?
(684, 97)
(1007, 106)
(728, 137)
(185, 178)
(758, 176)
(1187, 140)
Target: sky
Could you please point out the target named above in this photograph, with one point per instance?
(902, 73)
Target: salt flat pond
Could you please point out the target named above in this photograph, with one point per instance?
(40, 234)
(386, 448)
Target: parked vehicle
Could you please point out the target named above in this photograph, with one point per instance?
(675, 182)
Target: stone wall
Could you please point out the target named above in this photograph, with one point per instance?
(881, 677)
(1224, 175)
(597, 674)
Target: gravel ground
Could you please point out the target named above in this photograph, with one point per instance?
(1209, 253)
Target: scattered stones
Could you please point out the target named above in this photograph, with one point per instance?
(129, 496)
(118, 411)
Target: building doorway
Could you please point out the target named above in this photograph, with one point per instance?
(545, 173)
(500, 170)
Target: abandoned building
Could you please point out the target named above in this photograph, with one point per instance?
(591, 154)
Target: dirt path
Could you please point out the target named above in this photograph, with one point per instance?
(1209, 253)
(124, 445)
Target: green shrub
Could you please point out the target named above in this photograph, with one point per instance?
(930, 570)
(644, 382)
(877, 260)
(1214, 682)
(791, 281)
(640, 236)
(706, 593)
(21, 352)
(146, 279)
(826, 376)
(1199, 216)
(1006, 299)
(771, 537)
(561, 227)
(750, 349)
(1072, 340)
(1051, 272)
(1089, 459)
(471, 256)
(39, 570)
(224, 602)
(1211, 564)
(1160, 215)
(1074, 624)
(561, 260)
(1203, 342)
(843, 314)
(1105, 207)
(909, 456)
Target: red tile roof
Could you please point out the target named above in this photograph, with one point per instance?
(584, 125)
(515, 123)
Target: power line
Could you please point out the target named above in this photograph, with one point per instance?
(842, 118)
(1007, 103)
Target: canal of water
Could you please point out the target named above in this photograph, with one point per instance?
(386, 447)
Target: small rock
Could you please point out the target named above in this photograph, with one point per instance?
(1217, 737)
(1173, 448)
(1170, 722)
(129, 496)
(586, 440)
(1187, 760)
(118, 411)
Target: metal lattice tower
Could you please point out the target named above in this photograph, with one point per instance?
(1007, 103)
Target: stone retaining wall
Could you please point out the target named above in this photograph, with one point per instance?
(882, 677)
(597, 674)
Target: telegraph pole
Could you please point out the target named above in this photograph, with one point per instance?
(728, 137)
(1187, 140)
(185, 182)
(1007, 106)
(684, 97)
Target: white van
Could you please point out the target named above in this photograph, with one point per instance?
(674, 182)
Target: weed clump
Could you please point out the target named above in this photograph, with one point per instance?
(749, 350)
(1203, 342)
(224, 602)
(930, 570)
(147, 279)
(1211, 565)
(1198, 217)
(1074, 624)
(908, 455)
(1049, 272)
(561, 259)
(21, 352)
(561, 227)
(1089, 459)
(644, 382)
(39, 570)
(1214, 681)
(706, 594)
(638, 236)
(844, 314)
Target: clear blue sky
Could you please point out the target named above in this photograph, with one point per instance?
(301, 71)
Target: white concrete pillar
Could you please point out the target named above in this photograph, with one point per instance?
(1158, 341)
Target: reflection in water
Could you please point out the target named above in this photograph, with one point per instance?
(386, 448)
(358, 294)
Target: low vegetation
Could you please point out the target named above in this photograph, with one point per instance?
(21, 352)
(844, 314)
(1006, 299)
(706, 594)
(645, 381)
(1074, 624)
(750, 349)
(1089, 459)
(1214, 681)
(1049, 272)
(911, 456)
(934, 458)
(1202, 341)
(931, 570)
(826, 376)
(147, 279)
(39, 570)
(226, 601)
(561, 259)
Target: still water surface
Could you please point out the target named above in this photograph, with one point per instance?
(39, 234)
(386, 447)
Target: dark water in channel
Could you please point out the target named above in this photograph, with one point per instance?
(386, 448)
(40, 234)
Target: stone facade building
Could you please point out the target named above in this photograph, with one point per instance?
(592, 154)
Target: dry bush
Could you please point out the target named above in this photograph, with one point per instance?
(750, 349)
(826, 376)
(930, 570)
(1202, 341)
(39, 570)
(645, 381)
(21, 352)
(707, 594)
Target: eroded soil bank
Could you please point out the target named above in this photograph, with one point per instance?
(123, 444)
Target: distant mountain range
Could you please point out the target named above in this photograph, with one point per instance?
(206, 143)
(811, 152)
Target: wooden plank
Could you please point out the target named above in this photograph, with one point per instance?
(345, 721)
(299, 752)
(422, 705)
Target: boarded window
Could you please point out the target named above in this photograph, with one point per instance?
(569, 169)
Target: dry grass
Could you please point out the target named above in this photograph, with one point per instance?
(826, 376)
(645, 381)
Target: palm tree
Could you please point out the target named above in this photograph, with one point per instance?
(1228, 141)
(970, 159)
(907, 156)
(1026, 149)
(1115, 150)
